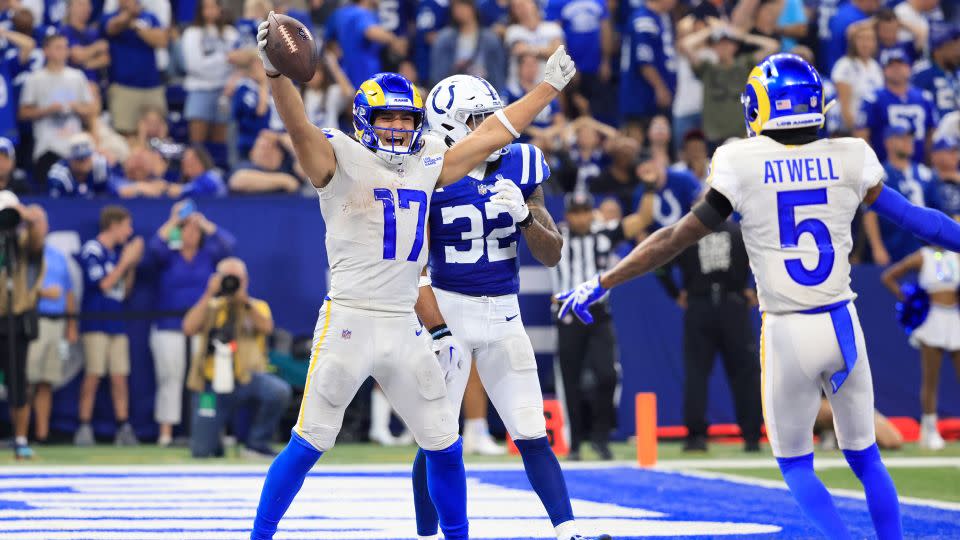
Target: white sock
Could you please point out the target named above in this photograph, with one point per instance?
(929, 421)
(379, 411)
(477, 427)
(22, 441)
(567, 530)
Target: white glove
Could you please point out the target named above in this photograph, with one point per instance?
(560, 69)
(262, 47)
(450, 355)
(509, 197)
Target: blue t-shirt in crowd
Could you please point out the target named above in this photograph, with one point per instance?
(57, 273)
(491, 13)
(912, 111)
(945, 196)
(83, 38)
(97, 262)
(544, 118)
(674, 199)
(10, 67)
(208, 184)
(918, 185)
(246, 33)
(54, 13)
(361, 57)
(581, 21)
(395, 15)
(64, 183)
(249, 123)
(432, 15)
(938, 86)
(133, 62)
(181, 283)
(648, 42)
(847, 14)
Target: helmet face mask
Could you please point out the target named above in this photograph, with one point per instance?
(459, 104)
(783, 92)
(388, 94)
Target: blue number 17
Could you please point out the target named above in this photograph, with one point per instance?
(790, 232)
(406, 196)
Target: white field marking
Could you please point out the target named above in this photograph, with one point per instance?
(849, 493)
(916, 462)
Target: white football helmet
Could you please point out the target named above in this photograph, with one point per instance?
(459, 102)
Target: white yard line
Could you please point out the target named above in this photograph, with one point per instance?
(917, 462)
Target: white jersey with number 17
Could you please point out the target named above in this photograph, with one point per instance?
(797, 204)
(375, 215)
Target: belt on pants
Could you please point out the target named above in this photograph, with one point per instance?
(846, 338)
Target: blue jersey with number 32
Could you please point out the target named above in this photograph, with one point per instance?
(473, 242)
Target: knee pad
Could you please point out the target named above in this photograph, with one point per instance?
(529, 423)
(322, 438)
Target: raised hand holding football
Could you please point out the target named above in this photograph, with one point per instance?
(290, 48)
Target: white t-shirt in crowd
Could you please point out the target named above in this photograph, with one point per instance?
(543, 35)
(908, 14)
(864, 76)
(44, 88)
(205, 56)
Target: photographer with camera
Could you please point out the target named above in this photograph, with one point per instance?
(21, 249)
(109, 263)
(229, 367)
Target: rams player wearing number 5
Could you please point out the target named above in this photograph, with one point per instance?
(797, 196)
(475, 227)
(374, 196)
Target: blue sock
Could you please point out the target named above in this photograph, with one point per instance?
(447, 483)
(426, 513)
(546, 477)
(283, 481)
(813, 498)
(881, 493)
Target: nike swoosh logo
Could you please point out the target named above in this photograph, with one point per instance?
(420, 331)
(513, 317)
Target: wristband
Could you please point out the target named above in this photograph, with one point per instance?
(526, 222)
(440, 331)
(272, 76)
(425, 281)
(506, 123)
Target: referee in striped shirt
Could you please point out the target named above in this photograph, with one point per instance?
(588, 248)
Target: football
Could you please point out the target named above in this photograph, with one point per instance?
(290, 48)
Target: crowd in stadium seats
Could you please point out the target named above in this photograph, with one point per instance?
(167, 99)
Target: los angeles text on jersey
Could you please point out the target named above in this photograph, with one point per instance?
(778, 171)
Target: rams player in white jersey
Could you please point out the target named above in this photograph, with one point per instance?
(475, 227)
(797, 195)
(374, 195)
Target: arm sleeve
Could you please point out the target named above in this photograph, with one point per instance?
(925, 223)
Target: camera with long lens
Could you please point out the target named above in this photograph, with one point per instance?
(229, 285)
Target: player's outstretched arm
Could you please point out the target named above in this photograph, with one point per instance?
(925, 223)
(314, 151)
(506, 124)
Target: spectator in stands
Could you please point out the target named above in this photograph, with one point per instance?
(57, 100)
(847, 14)
(589, 140)
(109, 263)
(199, 176)
(134, 33)
(12, 64)
(722, 72)
(151, 128)
(142, 175)
(44, 355)
(185, 250)
(251, 105)
(936, 76)
(945, 158)
(11, 178)
(589, 36)
(693, 155)
(898, 101)
(267, 170)
(360, 37)
(658, 139)
(687, 105)
(254, 11)
(914, 181)
(431, 18)
(208, 58)
(89, 52)
(550, 121)
(648, 73)
(619, 178)
(948, 127)
(530, 35)
(915, 17)
(221, 316)
(888, 39)
(857, 74)
(466, 47)
(82, 174)
(328, 94)
(674, 192)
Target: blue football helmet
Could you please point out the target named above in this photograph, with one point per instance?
(783, 92)
(387, 92)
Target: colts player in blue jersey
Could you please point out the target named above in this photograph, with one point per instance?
(475, 227)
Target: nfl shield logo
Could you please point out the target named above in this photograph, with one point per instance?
(346, 334)
(482, 189)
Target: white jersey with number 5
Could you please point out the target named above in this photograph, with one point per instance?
(797, 204)
(375, 215)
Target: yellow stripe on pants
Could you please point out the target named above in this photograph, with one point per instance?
(313, 361)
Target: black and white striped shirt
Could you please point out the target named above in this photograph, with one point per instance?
(585, 255)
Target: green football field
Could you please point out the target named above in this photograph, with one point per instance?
(917, 473)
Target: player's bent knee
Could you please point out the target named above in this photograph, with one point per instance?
(529, 423)
(320, 437)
